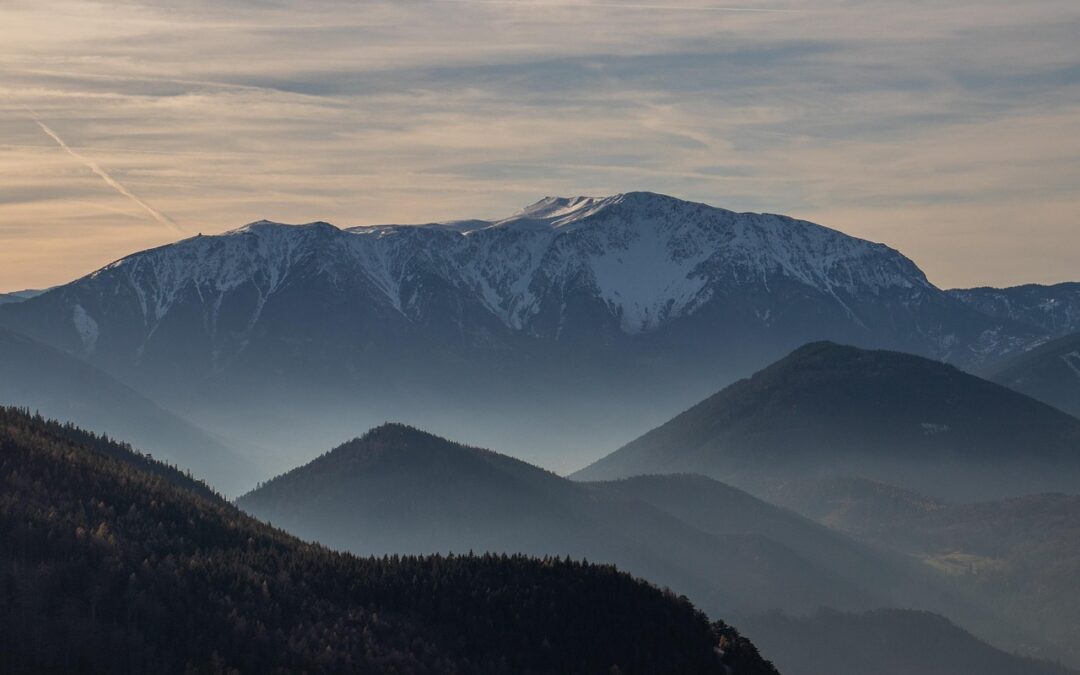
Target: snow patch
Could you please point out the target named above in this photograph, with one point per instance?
(1072, 360)
(86, 327)
(932, 429)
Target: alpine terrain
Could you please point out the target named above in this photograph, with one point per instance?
(565, 328)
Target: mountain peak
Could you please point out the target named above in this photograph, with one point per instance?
(397, 432)
(390, 443)
(560, 212)
(557, 212)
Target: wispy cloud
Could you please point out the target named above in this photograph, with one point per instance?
(109, 180)
(630, 6)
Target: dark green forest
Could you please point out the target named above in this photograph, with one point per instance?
(112, 562)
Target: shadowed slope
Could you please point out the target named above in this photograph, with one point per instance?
(886, 642)
(828, 409)
(1050, 373)
(38, 377)
(400, 489)
(1021, 555)
(111, 568)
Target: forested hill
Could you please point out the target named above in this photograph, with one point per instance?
(829, 409)
(113, 563)
(19, 428)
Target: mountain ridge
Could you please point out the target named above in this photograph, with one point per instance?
(398, 488)
(113, 564)
(1055, 308)
(640, 299)
(401, 489)
(1049, 373)
(828, 408)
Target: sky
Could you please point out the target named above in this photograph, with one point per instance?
(948, 129)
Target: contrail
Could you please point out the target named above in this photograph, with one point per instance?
(112, 182)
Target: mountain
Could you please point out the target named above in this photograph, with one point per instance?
(114, 563)
(40, 378)
(828, 409)
(397, 489)
(885, 642)
(573, 324)
(1020, 555)
(1049, 373)
(720, 509)
(1052, 309)
(400, 489)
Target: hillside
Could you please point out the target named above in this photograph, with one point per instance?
(720, 509)
(397, 489)
(109, 568)
(885, 642)
(828, 409)
(43, 379)
(1049, 373)
(1022, 555)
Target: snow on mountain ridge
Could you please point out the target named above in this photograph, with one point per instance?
(650, 258)
(1054, 308)
(260, 254)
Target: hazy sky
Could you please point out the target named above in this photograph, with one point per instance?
(949, 129)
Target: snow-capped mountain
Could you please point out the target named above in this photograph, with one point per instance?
(642, 261)
(1054, 309)
(632, 292)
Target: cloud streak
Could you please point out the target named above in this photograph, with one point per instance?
(109, 180)
(625, 5)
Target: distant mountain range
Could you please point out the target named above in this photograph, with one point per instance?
(400, 489)
(564, 329)
(1050, 373)
(828, 409)
(115, 563)
(19, 296)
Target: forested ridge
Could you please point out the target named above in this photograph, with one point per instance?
(114, 563)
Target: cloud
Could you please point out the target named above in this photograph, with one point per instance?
(901, 120)
(627, 6)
